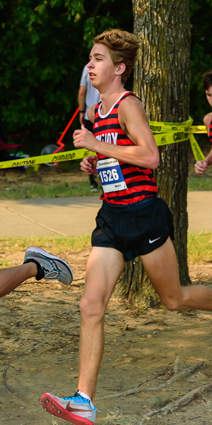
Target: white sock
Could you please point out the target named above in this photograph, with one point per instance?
(87, 398)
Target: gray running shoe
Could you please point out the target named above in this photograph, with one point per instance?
(49, 266)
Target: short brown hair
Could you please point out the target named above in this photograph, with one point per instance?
(207, 80)
(123, 47)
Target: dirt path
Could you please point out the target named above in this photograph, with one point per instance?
(39, 336)
(76, 216)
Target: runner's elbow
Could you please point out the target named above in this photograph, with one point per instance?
(148, 163)
(152, 162)
(155, 163)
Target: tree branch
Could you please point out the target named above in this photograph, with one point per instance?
(170, 381)
(178, 403)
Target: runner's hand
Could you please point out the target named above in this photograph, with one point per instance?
(88, 165)
(84, 139)
(200, 167)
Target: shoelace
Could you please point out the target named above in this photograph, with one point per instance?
(76, 396)
(52, 273)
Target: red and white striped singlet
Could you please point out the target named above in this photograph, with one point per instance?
(140, 181)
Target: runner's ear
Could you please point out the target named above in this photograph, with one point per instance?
(120, 69)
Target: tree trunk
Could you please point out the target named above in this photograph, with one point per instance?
(161, 80)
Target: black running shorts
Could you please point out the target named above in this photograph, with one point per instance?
(135, 229)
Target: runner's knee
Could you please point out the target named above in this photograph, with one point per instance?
(91, 309)
(173, 303)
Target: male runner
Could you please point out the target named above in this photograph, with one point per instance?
(201, 166)
(132, 220)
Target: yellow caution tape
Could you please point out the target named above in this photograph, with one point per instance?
(198, 129)
(198, 155)
(171, 137)
(167, 133)
(43, 159)
(164, 133)
(158, 127)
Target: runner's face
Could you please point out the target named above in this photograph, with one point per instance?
(101, 67)
(209, 95)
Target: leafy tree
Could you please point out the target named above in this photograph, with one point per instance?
(201, 55)
(45, 43)
(44, 46)
(37, 67)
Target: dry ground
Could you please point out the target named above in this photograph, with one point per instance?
(39, 336)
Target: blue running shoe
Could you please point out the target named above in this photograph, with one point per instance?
(76, 410)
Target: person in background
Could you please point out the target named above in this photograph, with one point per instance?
(87, 97)
(201, 166)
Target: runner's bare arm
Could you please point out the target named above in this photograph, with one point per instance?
(201, 166)
(133, 120)
(206, 120)
(91, 113)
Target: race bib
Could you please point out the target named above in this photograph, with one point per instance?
(111, 176)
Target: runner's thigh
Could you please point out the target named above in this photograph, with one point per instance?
(162, 269)
(104, 268)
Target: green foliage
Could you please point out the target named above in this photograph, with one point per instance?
(96, 25)
(43, 48)
(201, 56)
(36, 49)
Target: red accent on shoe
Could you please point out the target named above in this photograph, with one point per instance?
(52, 407)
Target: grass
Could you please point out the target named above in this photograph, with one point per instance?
(81, 188)
(203, 182)
(47, 182)
(56, 244)
(199, 183)
(66, 189)
(37, 190)
(5, 263)
(198, 246)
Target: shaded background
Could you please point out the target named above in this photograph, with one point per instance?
(43, 48)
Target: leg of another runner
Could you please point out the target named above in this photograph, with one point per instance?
(104, 267)
(14, 276)
(162, 269)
